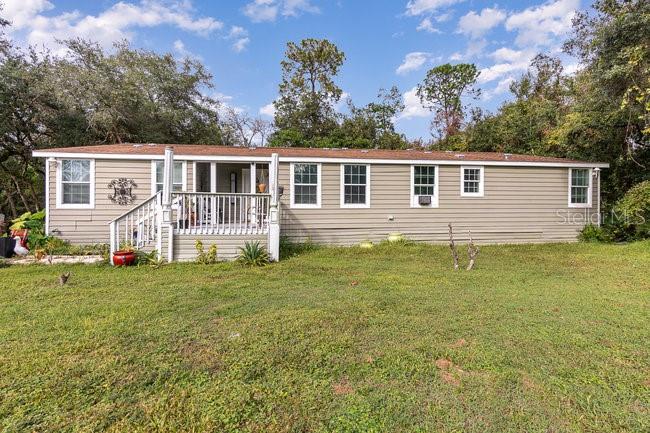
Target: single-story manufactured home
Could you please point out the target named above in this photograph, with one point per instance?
(165, 197)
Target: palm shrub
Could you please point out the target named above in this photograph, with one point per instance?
(253, 254)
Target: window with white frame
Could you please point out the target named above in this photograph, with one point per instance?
(471, 181)
(424, 186)
(76, 183)
(305, 185)
(355, 187)
(579, 187)
(178, 181)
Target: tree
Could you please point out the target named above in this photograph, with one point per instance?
(308, 92)
(240, 129)
(442, 91)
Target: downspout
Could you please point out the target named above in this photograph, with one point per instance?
(597, 170)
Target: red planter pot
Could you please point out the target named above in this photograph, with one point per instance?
(123, 258)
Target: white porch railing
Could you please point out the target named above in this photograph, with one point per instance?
(139, 227)
(220, 213)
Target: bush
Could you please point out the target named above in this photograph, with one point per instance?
(35, 223)
(253, 254)
(633, 212)
(593, 233)
(149, 259)
(205, 257)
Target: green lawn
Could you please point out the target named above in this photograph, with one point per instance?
(547, 338)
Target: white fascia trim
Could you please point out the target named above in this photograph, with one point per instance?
(363, 161)
(342, 203)
(414, 198)
(292, 204)
(481, 184)
(589, 191)
(59, 188)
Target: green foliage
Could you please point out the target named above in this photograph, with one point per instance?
(634, 210)
(307, 92)
(152, 259)
(205, 257)
(593, 233)
(57, 246)
(253, 254)
(442, 91)
(35, 224)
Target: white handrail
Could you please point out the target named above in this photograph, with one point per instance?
(138, 227)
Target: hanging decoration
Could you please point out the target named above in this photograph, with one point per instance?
(122, 191)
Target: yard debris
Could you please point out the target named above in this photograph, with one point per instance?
(342, 387)
(63, 278)
(354, 283)
(234, 335)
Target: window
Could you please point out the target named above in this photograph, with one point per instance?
(424, 186)
(76, 183)
(471, 181)
(178, 181)
(305, 185)
(355, 188)
(579, 187)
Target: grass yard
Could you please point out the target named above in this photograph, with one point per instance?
(549, 338)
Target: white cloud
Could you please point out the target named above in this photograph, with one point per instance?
(505, 54)
(502, 87)
(268, 110)
(419, 7)
(509, 62)
(268, 10)
(412, 62)
(476, 25)
(427, 26)
(412, 106)
(474, 49)
(536, 25)
(501, 70)
(181, 49)
(115, 23)
(240, 37)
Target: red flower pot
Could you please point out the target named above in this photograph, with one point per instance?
(123, 258)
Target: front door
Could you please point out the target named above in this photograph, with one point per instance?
(205, 177)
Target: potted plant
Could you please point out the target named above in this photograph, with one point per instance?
(262, 185)
(125, 256)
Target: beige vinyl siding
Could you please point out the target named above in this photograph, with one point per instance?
(227, 246)
(520, 204)
(90, 226)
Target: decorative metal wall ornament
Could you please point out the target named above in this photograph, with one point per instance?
(122, 191)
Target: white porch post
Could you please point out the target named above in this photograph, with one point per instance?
(274, 211)
(168, 178)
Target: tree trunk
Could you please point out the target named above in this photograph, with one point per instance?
(472, 252)
(12, 205)
(452, 245)
(20, 193)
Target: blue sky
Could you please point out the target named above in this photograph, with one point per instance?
(386, 42)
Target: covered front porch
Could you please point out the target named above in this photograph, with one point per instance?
(229, 203)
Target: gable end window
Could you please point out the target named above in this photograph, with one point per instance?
(305, 185)
(179, 180)
(580, 187)
(471, 181)
(355, 186)
(75, 186)
(424, 186)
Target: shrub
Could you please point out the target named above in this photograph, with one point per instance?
(149, 259)
(633, 211)
(593, 233)
(205, 257)
(35, 223)
(253, 254)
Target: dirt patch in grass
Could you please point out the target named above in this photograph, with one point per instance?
(449, 372)
(342, 387)
(201, 355)
(461, 342)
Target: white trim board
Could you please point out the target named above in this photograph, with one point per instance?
(206, 158)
